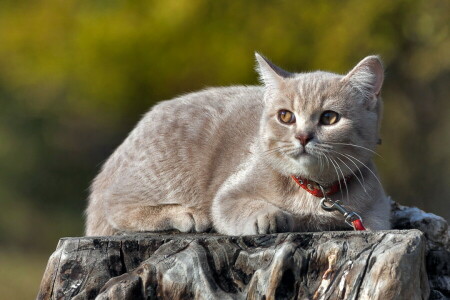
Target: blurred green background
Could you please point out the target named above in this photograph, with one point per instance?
(76, 76)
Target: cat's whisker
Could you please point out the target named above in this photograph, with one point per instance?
(274, 149)
(321, 163)
(279, 141)
(323, 151)
(322, 154)
(316, 153)
(277, 149)
(328, 162)
(376, 177)
(357, 178)
(337, 152)
(291, 150)
(343, 178)
(337, 173)
(357, 167)
(323, 146)
(362, 183)
(326, 158)
(354, 145)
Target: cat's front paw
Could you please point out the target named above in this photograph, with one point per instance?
(269, 220)
(191, 222)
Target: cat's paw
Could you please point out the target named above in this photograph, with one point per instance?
(269, 220)
(189, 222)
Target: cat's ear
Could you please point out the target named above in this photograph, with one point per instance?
(270, 74)
(367, 77)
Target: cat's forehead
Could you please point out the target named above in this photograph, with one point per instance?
(313, 88)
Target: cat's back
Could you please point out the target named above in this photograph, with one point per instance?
(196, 141)
(195, 119)
(217, 103)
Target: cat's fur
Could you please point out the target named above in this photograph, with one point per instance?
(221, 159)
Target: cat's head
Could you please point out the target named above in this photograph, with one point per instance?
(320, 125)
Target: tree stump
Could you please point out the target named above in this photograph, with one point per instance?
(395, 264)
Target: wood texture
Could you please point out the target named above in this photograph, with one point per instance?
(396, 264)
(332, 265)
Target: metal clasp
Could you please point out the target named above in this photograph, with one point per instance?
(349, 216)
(335, 205)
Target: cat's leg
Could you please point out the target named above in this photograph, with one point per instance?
(375, 210)
(158, 218)
(244, 216)
(377, 217)
(96, 221)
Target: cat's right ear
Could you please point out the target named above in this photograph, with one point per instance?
(367, 76)
(269, 74)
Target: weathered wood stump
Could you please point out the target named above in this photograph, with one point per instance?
(397, 264)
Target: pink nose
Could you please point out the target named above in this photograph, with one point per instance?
(304, 138)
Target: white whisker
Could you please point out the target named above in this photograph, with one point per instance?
(351, 158)
(343, 178)
(362, 185)
(353, 145)
(337, 173)
(279, 149)
(376, 177)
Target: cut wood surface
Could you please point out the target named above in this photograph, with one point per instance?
(396, 264)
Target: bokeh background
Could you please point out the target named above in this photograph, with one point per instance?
(75, 76)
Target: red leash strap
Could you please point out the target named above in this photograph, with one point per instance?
(358, 225)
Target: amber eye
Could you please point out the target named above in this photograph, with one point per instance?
(329, 117)
(286, 116)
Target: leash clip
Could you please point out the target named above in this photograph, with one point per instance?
(351, 218)
(335, 205)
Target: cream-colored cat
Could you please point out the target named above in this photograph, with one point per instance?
(223, 158)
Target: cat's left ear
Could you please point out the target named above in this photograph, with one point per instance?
(367, 77)
(270, 74)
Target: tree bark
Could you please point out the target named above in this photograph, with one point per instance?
(396, 264)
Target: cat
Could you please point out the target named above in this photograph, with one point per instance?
(223, 158)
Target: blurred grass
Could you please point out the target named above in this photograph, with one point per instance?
(20, 274)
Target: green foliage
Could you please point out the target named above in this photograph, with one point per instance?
(75, 76)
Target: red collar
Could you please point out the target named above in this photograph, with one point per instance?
(313, 188)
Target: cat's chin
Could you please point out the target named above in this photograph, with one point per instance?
(305, 165)
(306, 160)
(308, 166)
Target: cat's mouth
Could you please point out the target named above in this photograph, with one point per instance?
(301, 152)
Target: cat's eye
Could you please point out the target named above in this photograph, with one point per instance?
(329, 117)
(286, 116)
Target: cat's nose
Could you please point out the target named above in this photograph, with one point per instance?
(304, 138)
